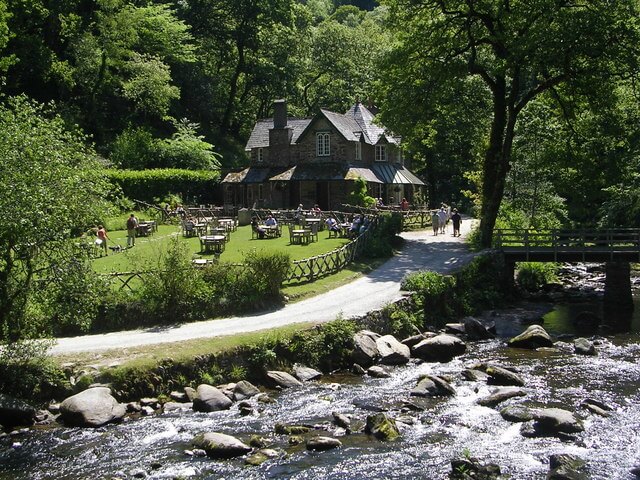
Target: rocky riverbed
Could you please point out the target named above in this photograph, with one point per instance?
(467, 399)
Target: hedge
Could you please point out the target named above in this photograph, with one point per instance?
(194, 186)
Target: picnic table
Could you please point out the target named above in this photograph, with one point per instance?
(300, 236)
(146, 228)
(212, 243)
(270, 231)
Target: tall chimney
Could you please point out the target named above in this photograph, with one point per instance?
(280, 114)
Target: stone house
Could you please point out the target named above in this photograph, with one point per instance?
(316, 160)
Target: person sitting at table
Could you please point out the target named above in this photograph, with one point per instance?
(255, 226)
(355, 226)
(332, 224)
(180, 211)
(316, 210)
(299, 215)
(271, 222)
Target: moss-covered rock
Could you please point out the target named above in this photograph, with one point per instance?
(382, 427)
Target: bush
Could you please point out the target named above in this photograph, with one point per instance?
(532, 276)
(196, 186)
(326, 347)
(383, 238)
(433, 294)
(175, 290)
(27, 372)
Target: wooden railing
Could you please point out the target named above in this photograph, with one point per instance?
(558, 245)
(412, 219)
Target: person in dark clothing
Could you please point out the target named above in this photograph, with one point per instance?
(457, 220)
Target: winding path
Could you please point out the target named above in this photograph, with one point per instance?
(421, 251)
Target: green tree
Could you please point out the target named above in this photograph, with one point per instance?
(519, 50)
(51, 187)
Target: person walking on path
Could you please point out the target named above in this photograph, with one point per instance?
(435, 222)
(442, 219)
(101, 241)
(132, 229)
(457, 220)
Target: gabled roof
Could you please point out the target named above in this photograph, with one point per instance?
(355, 125)
(373, 133)
(259, 137)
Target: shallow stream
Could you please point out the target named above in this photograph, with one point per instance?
(154, 447)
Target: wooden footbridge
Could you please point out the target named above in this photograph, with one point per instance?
(610, 245)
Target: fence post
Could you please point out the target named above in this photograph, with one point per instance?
(310, 270)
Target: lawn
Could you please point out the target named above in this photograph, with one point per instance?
(145, 254)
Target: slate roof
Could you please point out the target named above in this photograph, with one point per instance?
(300, 173)
(356, 123)
(259, 137)
(388, 173)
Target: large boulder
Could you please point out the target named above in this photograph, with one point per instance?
(93, 407)
(244, 390)
(210, 399)
(533, 337)
(517, 413)
(14, 412)
(306, 374)
(470, 468)
(391, 351)
(365, 350)
(382, 427)
(564, 466)
(220, 445)
(283, 379)
(432, 386)
(441, 348)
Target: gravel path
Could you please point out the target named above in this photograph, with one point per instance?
(422, 251)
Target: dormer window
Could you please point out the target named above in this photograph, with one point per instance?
(358, 151)
(381, 153)
(323, 144)
(260, 157)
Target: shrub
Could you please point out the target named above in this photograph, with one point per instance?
(27, 372)
(326, 347)
(531, 276)
(146, 185)
(383, 238)
(433, 294)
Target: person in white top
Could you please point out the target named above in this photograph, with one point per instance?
(442, 219)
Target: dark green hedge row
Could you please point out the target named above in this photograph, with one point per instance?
(194, 186)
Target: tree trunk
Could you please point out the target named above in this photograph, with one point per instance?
(233, 90)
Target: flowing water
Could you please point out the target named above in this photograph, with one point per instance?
(154, 447)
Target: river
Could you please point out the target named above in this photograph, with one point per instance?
(154, 447)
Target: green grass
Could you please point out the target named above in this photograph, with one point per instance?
(144, 256)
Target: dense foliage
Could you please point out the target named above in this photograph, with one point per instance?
(195, 186)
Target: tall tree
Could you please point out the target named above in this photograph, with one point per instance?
(519, 49)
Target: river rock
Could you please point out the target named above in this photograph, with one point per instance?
(502, 376)
(378, 372)
(533, 337)
(282, 429)
(500, 395)
(441, 348)
(341, 421)
(635, 471)
(244, 389)
(220, 445)
(283, 379)
(178, 396)
(582, 346)
(323, 443)
(365, 403)
(306, 374)
(474, 375)
(432, 386)
(210, 399)
(382, 427)
(471, 468)
(365, 350)
(261, 456)
(14, 412)
(517, 413)
(190, 393)
(454, 328)
(597, 407)
(564, 466)
(476, 330)
(558, 420)
(391, 351)
(93, 407)
(169, 407)
(415, 339)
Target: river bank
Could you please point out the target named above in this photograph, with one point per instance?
(433, 430)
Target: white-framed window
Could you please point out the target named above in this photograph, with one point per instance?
(323, 144)
(260, 156)
(358, 151)
(381, 153)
